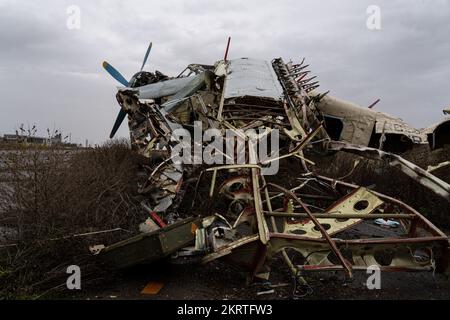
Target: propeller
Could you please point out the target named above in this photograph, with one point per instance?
(146, 55)
(122, 114)
(121, 79)
(115, 74)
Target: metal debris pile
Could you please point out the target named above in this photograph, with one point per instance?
(234, 212)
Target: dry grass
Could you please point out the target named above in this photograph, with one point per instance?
(49, 194)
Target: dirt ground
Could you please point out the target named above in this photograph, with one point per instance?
(220, 281)
(217, 281)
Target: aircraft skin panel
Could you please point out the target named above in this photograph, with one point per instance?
(252, 77)
(163, 89)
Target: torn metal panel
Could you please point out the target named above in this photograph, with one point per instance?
(251, 77)
(388, 125)
(162, 89)
(360, 202)
(148, 247)
(438, 134)
(198, 82)
(358, 122)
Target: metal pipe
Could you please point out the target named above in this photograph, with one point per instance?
(342, 215)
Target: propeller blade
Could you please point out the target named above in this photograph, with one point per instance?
(122, 114)
(114, 73)
(146, 55)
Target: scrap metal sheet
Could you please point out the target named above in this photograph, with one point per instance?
(252, 77)
(385, 124)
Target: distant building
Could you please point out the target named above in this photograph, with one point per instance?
(15, 138)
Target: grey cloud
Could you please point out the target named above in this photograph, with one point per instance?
(51, 75)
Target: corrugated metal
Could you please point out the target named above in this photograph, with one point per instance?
(251, 77)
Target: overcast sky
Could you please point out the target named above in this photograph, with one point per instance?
(52, 76)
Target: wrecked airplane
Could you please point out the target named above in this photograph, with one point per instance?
(236, 212)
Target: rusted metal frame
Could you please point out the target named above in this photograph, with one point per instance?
(310, 87)
(255, 109)
(298, 148)
(234, 166)
(282, 72)
(301, 95)
(298, 65)
(369, 241)
(301, 76)
(155, 117)
(256, 172)
(250, 114)
(293, 118)
(296, 241)
(227, 249)
(259, 259)
(295, 154)
(286, 258)
(149, 118)
(227, 49)
(342, 199)
(153, 130)
(308, 196)
(310, 268)
(324, 233)
(428, 225)
(315, 188)
(226, 167)
(204, 109)
(198, 144)
(158, 167)
(412, 232)
(222, 98)
(254, 119)
(196, 189)
(307, 139)
(256, 106)
(236, 131)
(210, 117)
(294, 189)
(292, 112)
(441, 242)
(257, 123)
(163, 123)
(179, 75)
(269, 203)
(342, 215)
(302, 82)
(213, 184)
(316, 196)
